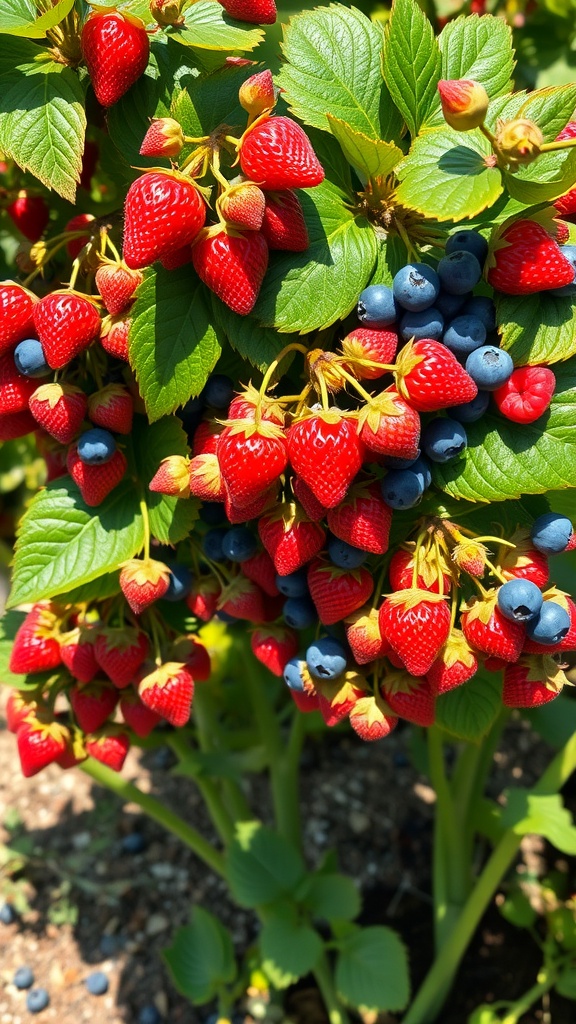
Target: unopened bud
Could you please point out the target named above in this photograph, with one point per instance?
(163, 138)
(464, 103)
(470, 556)
(166, 12)
(519, 141)
(258, 93)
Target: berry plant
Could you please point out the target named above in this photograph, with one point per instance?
(288, 412)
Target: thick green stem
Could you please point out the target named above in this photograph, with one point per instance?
(130, 793)
(220, 818)
(323, 975)
(453, 878)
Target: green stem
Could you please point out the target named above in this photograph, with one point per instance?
(323, 975)
(218, 813)
(130, 793)
(449, 843)
(517, 1010)
(209, 738)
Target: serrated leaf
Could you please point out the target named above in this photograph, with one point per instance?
(261, 866)
(20, 17)
(545, 815)
(173, 345)
(550, 109)
(549, 177)
(15, 52)
(201, 958)
(258, 345)
(333, 63)
(9, 626)
(506, 460)
(469, 711)
(446, 175)
(207, 26)
(313, 289)
(211, 100)
(372, 970)
(332, 897)
(537, 329)
(171, 519)
(412, 63)
(289, 949)
(43, 124)
(373, 157)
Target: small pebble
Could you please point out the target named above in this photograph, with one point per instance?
(97, 983)
(37, 1000)
(149, 1015)
(7, 914)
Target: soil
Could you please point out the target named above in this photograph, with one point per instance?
(87, 904)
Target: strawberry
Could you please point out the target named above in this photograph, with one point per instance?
(143, 581)
(54, 454)
(30, 214)
(487, 630)
(74, 751)
(18, 706)
(412, 699)
(526, 259)
(77, 224)
(290, 538)
(205, 478)
(96, 482)
(430, 377)
(36, 646)
(312, 507)
(368, 343)
(60, 409)
(190, 650)
(336, 699)
(252, 457)
(325, 439)
(455, 664)
(242, 206)
(258, 93)
(363, 519)
(416, 624)
(172, 477)
(168, 691)
(283, 224)
(120, 652)
(337, 593)
(140, 718)
(277, 154)
(369, 720)
(66, 323)
(115, 47)
(305, 702)
(78, 654)
(117, 284)
(525, 561)
(527, 394)
(470, 556)
(163, 212)
(390, 426)
(258, 12)
(39, 743)
(232, 265)
(179, 258)
(274, 646)
(203, 597)
(112, 408)
(401, 571)
(532, 681)
(16, 308)
(15, 388)
(243, 600)
(93, 704)
(261, 570)
(364, 637)
(163, 138)
(110, 746)
(245, 405)
(206, 436)
(17, 424)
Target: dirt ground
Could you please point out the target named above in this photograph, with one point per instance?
(89, 904)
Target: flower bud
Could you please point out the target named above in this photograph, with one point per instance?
(519, 141)
(258, 93)
(166, 12)
(163, 138)
(470, 556)
(464, 103)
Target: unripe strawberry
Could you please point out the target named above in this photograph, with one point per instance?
(470, 556)
(519, 141)
(242, 206)
(143, 581)
(172, 477)
(166, 12)
(115, 47)
(163, 138)
(30, 214)
(464, 103)
(258, 93)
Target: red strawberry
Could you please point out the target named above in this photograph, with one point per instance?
(96, 482)
(363, 519)
(54, 454)
(412, 699)
(172, 477)
(120, 652)
(369, 720)
(524, 561)
(66, 324)
(336, 699)
(242, 206)
(527, 394)
(93, 704)
(114, 336)
(274, 646)
(245, 405)
(273, 608)
(244, 513)
(242, 599)
(15, 388)
(261, 570)
(16, 424)
(74, 752)
(283, 225)
(401, 571)
(60, 409)
(368, 343)
(290, 538)
(143, 581)
(487, 630)
(277, 154)
(163, 211)
(252, 457)
(110, 746)
(258, 12)
(325, 439)
(455, 664)
(312, 507)
(206, 436)
(526, 259)
(168, 691)
(203, 597)
(78, 654)
(39, 744)
(78, 236)
(36, 646)
(117, 284)
(364, 637)
(140, 718)
(179, 258)
(430, 377)
(305, 702)
(232, 265)
(416, 624)
(566, 205)
(337, 593)
(16, 308)
(112, 408)
(18, 706)
(205, 478)
(532, 681)
(163, 138)
(190, 650)
(390, 426)
(30, 214)
(116, 49)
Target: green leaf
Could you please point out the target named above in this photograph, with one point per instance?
(258, 345)
(332, 897)
(566, 984)
(537, 329)
(550, 176)
(42, 124)
(543, 814)
(173, 344)
(62, 543)
(211, 100)
(555, 722)
(19, 17)
(103, 586)
(333, 63)
(289, 949)
(505, 460)
(261, 866)
(412, 63)
(207, 26)
(373, 157)
(9, 626)
(171, 519)
(201, 958)
(445, 175)
(313, 289)
(469, 711)
(550, 109)
(372, 970)
(15, 52)
(392, 256)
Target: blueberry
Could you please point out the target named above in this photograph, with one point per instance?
(569, 251)
(239, 544)
(464, 334)
(96, 446)
(450, 305)
(212, 544)
(97, 983)
(444, 439)
(459, 272)
(551, 532)
(423, 471)
(293, 674)
(7, 914)
(416, 286)
(520, 600)
(299, 612)
(133, 843)
(489, 367)
(471, 411)
(402, 488)
(23, 977)
(293, 585)
(30, 360)
(427, 324)
(344, 555)
(376, 306)
(218, 391)
(37, 1000)
(180, 582)
(326, 658)
(466, 240)
(149, 1015)
(482, 307)
(551, 625)
(212, 513)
